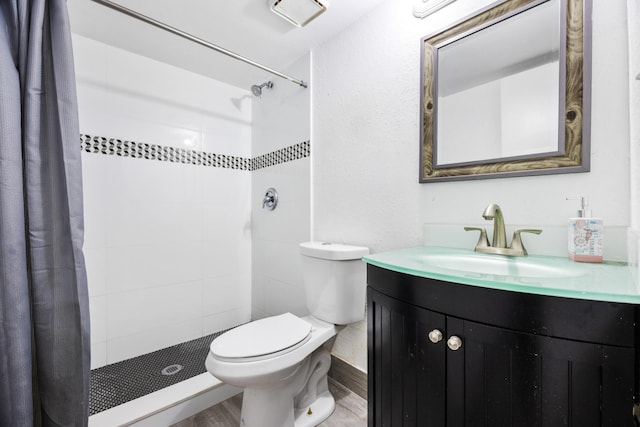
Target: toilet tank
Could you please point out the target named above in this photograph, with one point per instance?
(335, 281)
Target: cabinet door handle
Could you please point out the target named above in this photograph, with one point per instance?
(435, 336)
(454, 342)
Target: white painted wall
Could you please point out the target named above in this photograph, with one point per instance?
(167, 245)
(633, 13)
(281, 118)
(366, 121)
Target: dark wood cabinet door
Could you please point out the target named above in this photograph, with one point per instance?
(406, 370)
(514, 379)
(498, 378)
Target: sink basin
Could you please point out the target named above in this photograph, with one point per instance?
(536, 274)
(494, 265)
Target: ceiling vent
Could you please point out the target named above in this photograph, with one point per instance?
(424, 8)
(298, 12)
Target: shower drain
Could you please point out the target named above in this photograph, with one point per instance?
(172, 369)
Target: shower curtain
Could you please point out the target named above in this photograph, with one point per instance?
(44, 313)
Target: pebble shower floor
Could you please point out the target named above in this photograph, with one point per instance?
(121, 382)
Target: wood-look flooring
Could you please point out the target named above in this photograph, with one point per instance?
(351, 410)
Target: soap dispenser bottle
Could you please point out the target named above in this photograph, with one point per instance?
(585, 235)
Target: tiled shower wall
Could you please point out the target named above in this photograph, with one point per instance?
(280, 118)
(174, 169)
(167, 240)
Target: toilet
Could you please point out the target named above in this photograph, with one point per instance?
(282, 361)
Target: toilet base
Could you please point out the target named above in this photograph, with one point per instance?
(301, 399)
(317, 412)
(280, 411)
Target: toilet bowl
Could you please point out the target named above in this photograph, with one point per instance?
(278, 386)
(282, 361)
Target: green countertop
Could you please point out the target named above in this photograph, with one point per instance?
(543, 275)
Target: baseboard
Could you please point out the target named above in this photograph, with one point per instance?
(349, 376)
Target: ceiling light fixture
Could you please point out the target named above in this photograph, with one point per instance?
(424, 8)
(298, 12)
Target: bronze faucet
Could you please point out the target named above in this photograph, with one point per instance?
(494, 212)
(499, 241)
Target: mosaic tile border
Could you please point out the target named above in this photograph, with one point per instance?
(141, 150)
(287, 154)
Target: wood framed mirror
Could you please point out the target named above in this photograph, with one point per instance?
(506, 92)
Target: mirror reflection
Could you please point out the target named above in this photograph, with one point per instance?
(498, 91)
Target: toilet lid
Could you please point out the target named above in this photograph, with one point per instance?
(261, 337)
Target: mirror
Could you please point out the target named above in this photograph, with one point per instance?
(505, 93)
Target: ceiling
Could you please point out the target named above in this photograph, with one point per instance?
(245, 27)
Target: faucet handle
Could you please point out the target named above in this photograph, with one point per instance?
(483, 241)
(516, 241)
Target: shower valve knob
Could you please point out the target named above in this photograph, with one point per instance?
(270, 200)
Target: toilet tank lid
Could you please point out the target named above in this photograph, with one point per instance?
(333, 251)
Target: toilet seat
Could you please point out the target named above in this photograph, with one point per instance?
(262, 339)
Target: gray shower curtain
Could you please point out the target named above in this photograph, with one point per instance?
(44, 313)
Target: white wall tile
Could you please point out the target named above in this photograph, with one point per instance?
(227, 136)
(282, 297)
(225, 188)
(95, 259)
(98, 310)
(98, 354)
(276, 264)
(225, 258)
(89, 59)
(282, 116)
(131, 179)
(282, 261)
(289, 222)
(258, 313)
(150, 115)
(147, 223)
(225, 293)
(142, 310)
(153, 339)
(144, 78)
(94, 175)
(225, 223)
(226, 320)
(143, 266)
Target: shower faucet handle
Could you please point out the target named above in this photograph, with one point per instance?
(270, 200)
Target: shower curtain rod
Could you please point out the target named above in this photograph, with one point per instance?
(163, 26)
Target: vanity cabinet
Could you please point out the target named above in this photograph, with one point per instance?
(446, 354)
